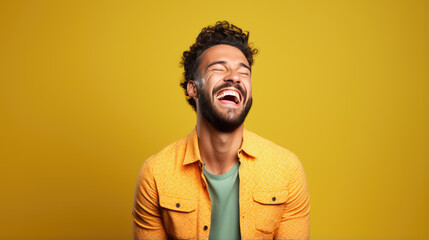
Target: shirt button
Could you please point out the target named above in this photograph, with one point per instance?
(274, 199)
(205, 228)
(177, 204)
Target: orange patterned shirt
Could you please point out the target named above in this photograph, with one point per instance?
(172, 200)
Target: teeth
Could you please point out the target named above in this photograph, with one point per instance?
(230, 93)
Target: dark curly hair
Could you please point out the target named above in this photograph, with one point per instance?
(221, 33)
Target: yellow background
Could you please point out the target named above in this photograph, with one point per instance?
(90, 89)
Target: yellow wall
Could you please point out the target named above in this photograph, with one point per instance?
(89, 89)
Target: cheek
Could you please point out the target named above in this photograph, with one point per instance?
(248, 87)
(208, 79)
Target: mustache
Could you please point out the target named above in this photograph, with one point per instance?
(229, 84)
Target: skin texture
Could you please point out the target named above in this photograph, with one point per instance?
(221, 65)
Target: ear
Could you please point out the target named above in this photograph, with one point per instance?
(192, 89)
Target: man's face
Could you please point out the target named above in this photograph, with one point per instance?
(224, 87)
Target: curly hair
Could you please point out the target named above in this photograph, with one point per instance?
(221, 33)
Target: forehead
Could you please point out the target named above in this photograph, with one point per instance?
(222, 52)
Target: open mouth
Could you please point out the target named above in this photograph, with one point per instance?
(229, 95)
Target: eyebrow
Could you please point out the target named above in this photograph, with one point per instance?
(224, 62)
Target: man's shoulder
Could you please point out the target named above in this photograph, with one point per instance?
(273, 166)
(173, 152)
(265, 147)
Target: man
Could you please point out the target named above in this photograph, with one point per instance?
(221, 181)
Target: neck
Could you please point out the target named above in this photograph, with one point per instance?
(218, 149)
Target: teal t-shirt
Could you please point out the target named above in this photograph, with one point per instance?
(225, 212)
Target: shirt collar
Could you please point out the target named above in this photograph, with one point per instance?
(192, 154)
(192, 150)
(249, 145)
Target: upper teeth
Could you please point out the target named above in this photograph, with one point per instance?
(231, 93)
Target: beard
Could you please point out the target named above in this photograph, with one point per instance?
(229, 122)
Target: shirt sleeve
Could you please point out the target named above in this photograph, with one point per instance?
(295, 223)
(147, 222)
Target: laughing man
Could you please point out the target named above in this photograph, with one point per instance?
(221, 181)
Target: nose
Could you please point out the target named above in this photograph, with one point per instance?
(232, 76)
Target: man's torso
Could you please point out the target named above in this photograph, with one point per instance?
(267, 174)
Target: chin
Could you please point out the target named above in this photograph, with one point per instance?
(223, 118)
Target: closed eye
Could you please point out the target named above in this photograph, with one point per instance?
(217, 69)
(246, 73)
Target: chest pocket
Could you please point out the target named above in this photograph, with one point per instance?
(269, 207)
(179, 216)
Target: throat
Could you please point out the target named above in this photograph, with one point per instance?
(219, 150)
(217, 169)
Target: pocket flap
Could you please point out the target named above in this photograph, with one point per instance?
(270, 197)
(177, 203)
